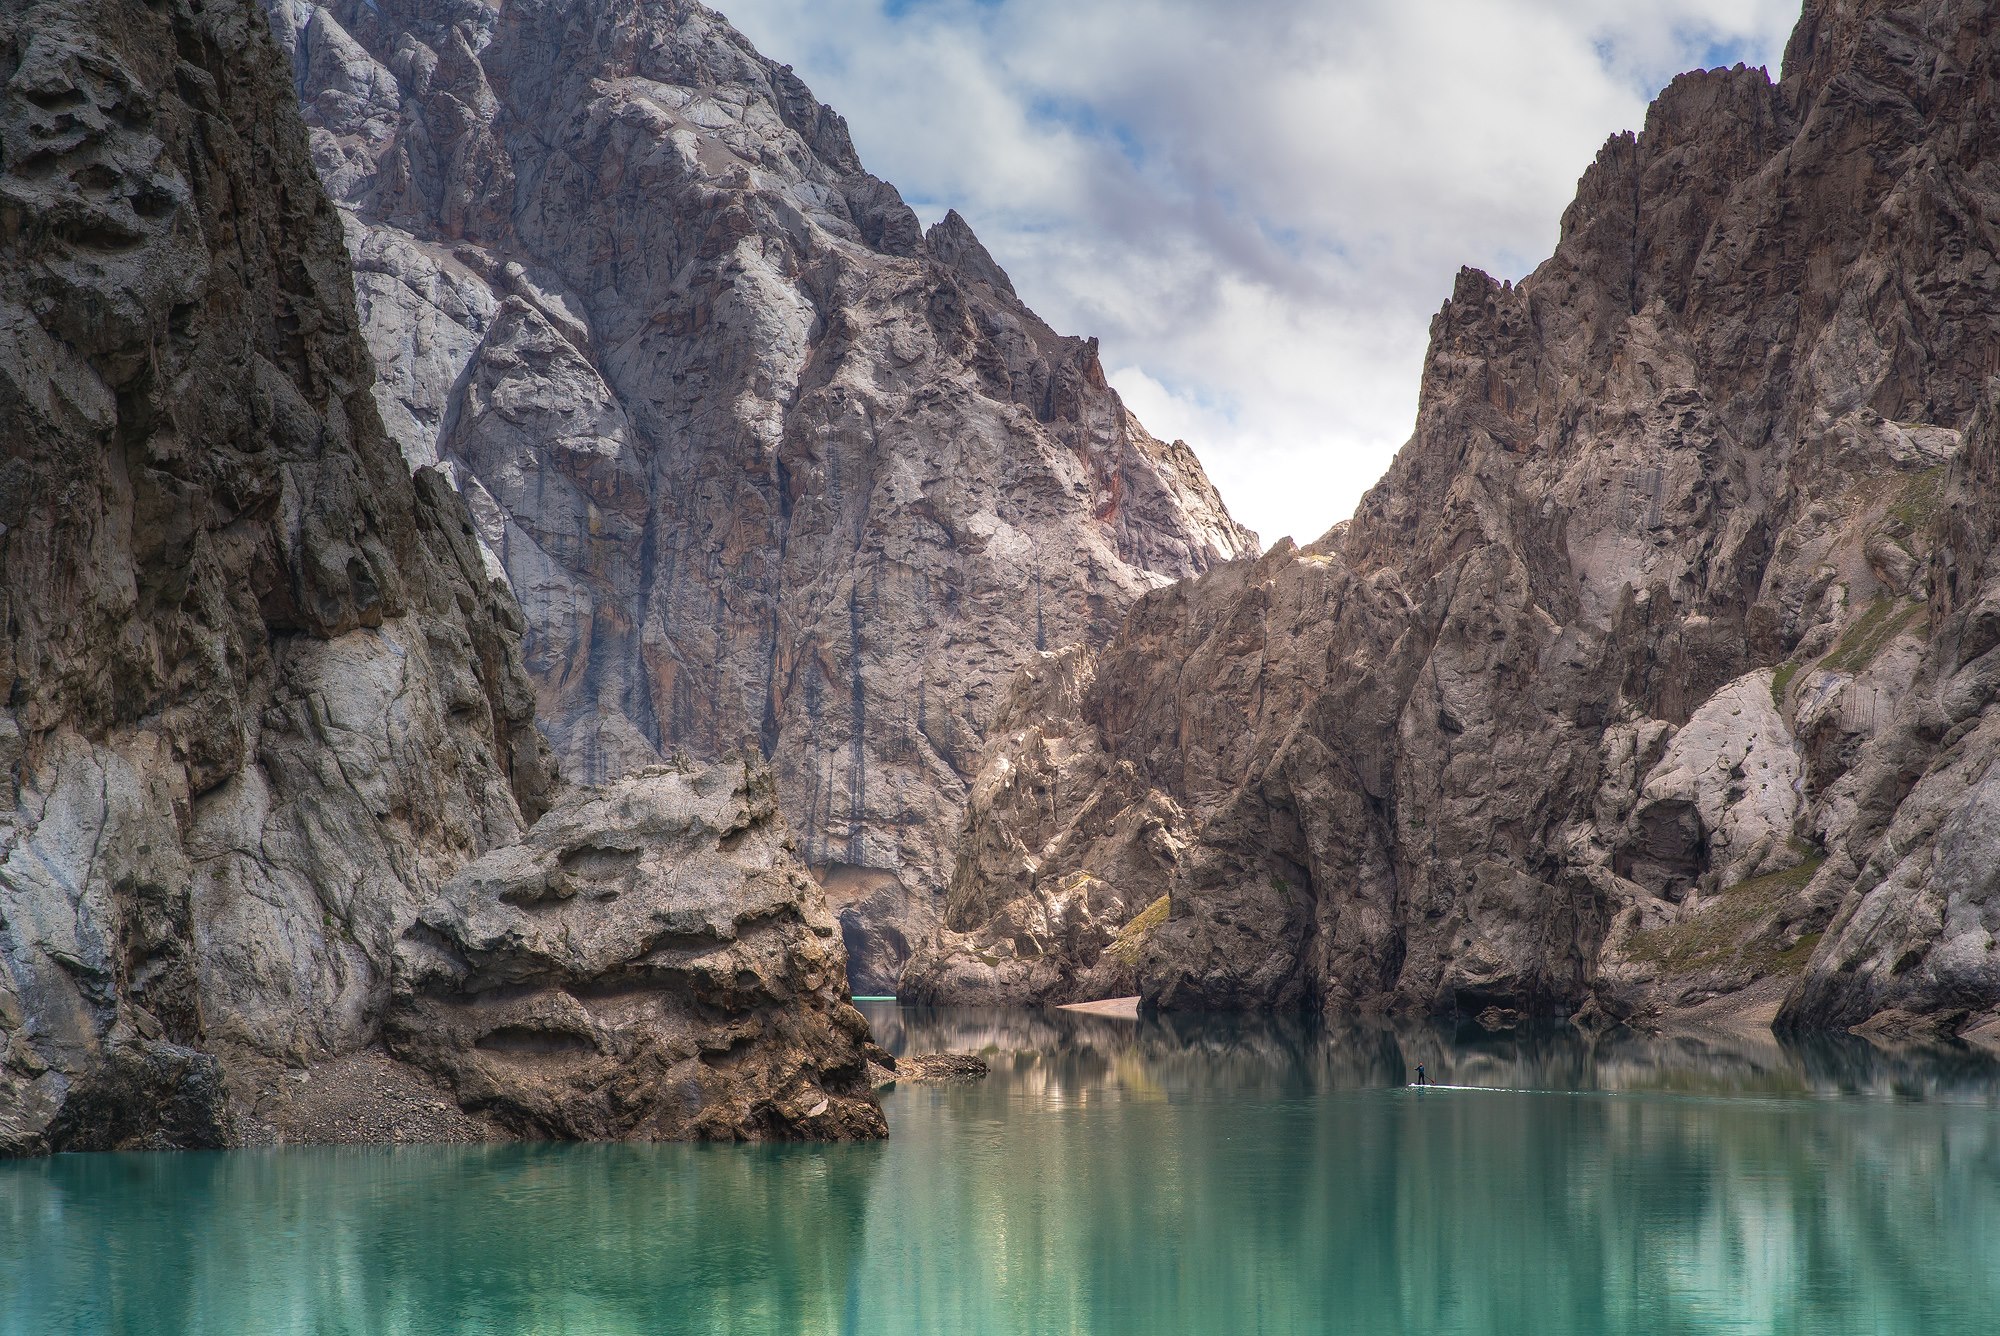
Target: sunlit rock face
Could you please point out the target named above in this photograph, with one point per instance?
(1663, 662)
(765, 462)
(268, 715)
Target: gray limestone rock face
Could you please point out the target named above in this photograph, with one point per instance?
(1656, 665)
(1723, 799)
(265, 696)
(263, 693)
(1916, 929)
(651, 961)
(766, 464)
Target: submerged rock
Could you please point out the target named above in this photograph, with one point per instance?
(941, 1068)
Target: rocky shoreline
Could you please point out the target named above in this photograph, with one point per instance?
(1657, 685)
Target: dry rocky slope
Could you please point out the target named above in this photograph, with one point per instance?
(1664, 664)
(266, 704)
(765, 463)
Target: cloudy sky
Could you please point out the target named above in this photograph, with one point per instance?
(1257, 205)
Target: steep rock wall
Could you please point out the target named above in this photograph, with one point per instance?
(262, 691)
(264, 697)
(1615, 692)
(766, 463)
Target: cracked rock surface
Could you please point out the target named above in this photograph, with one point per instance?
(766, 463)
(1664, 664)
(650, 961)
(265, 697)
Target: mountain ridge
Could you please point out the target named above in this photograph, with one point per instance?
(1607, 700)
(825, 480)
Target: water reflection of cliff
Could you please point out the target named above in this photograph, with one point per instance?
(603, 1240)
(1073, 1052)
(1114, 1178)
(1238, 1175)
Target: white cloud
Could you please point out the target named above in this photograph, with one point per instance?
(1256, 206)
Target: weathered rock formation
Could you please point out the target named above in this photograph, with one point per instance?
(264, 698)
(1663, 662)
(652, 961)
(764, 462)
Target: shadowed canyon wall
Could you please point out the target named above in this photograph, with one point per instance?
(267, 706)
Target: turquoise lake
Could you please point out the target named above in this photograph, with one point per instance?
(1181, 1176)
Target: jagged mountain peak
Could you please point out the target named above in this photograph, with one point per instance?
(1635, 682)
(951, 242)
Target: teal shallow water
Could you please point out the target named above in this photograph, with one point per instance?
(1109, 1177)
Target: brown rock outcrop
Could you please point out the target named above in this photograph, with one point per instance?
(264, 697)
(650, 961)
(765, 463)
(1660, 650)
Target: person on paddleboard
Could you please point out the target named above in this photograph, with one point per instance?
(1421, 1078)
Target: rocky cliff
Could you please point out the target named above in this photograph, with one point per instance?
(651, 960)
(1662, 665)
(765, 462)
(265, 700)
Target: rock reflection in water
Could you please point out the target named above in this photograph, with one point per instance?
(1238, 1174)
(597, 1240)
(1227, 1175)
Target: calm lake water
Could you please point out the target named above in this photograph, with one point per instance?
(1109, 1177)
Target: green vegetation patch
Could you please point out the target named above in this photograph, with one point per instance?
(1077, 881)
(1733, 928)
(1921, 499)
(1133, 935)
(1151, 917)
(1793, 959)
(1781, 682)
(1871, 633)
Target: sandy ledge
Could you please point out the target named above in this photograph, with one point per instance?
(1124, 1008)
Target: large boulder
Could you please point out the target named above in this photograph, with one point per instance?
(651, 961)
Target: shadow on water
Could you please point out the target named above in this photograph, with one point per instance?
(1227, 1174)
